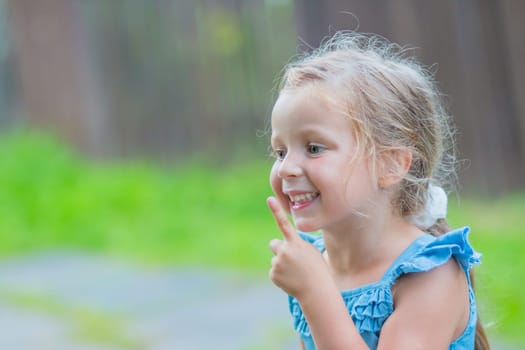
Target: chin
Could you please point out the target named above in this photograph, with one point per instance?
(306, 226)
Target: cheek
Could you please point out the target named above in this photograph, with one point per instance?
(359, 189)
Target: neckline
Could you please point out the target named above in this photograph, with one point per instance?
(384, 280)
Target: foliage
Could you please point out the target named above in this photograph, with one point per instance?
(193, 214)
(497, 229)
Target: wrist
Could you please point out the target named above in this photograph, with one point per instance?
(313, 293)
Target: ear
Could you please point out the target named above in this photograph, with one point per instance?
(394, 166)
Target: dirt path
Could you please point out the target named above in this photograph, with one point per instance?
(80, 302)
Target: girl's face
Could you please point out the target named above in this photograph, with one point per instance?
(316, 176)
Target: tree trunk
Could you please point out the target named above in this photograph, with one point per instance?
(58, 85)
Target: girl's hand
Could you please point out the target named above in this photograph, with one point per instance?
(297, 266)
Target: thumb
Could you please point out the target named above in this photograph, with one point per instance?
(287, 229)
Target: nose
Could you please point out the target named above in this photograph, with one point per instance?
(289, 167)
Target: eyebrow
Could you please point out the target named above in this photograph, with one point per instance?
(313, 131)
(305, 133)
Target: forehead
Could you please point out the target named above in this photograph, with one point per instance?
(308, 106)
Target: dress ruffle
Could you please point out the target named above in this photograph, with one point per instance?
(369, 309)
(299, 321)
(438, 251)
(370, 305)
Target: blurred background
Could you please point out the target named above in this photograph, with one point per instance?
(135, 131)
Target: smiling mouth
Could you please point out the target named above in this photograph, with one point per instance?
(303, 198)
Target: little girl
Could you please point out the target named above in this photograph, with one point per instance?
(362, 144)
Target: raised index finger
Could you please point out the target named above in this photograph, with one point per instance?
(281, 219)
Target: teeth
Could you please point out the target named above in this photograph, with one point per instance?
(303, 197)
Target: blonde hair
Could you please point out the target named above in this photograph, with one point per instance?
(393, 103)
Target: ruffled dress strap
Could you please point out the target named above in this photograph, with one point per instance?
(316, 240)
(429, 252)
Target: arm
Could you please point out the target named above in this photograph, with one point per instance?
(431, 310)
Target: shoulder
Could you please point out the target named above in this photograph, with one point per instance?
(431, 308)
(445, 283)
(432, 296)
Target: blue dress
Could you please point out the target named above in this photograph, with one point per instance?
(370, 305)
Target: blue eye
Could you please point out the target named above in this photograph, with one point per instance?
(315, 149)
(279, 154)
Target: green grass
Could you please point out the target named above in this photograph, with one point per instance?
(193, 214)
